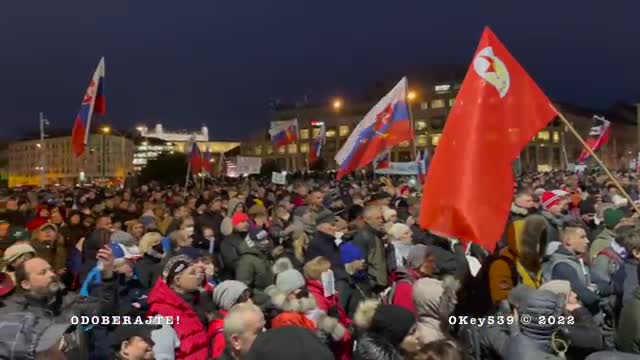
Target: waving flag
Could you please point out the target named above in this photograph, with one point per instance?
(423, 164)
(384, 126)
(92, 102)
(206, 161)
(383, 161)
(195, 159)
(284, 132)
(598, 137)
(317, 144)
(499, 109)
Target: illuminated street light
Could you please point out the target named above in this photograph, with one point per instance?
(144, 143)
(140, 128)
(106, 129)
(412, 95)
(38, 145)
(337, 104)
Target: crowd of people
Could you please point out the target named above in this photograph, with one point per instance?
(318, 269)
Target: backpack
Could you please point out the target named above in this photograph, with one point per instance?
(386, 296)
(475, 292)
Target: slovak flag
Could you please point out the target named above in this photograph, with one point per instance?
(384, 161)
(317, 144)
(385, 125)
(423, 164)
(284, 132)
(206, 161)
(92, 102)
(598, 136)
(195, 159)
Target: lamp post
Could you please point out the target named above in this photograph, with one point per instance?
(105, 131)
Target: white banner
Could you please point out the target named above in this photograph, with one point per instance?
(248, 165)
(400, 168)
(278, 178)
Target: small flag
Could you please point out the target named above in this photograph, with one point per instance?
(284, 132)
(383, 161)
(598, 137)
(92, 102)
(317, 144)
(195, 159)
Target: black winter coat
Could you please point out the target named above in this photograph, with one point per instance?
(373, 347)
(149, 269)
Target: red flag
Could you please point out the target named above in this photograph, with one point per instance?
(195, 159)
(498, 110)
(598, 137)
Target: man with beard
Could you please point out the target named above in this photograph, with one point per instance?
(369, 239)
(39, 291)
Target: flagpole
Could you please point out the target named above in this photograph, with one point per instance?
(597, 159)
(413, 128)
(186, 179)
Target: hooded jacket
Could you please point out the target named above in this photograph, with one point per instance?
(526, 241)
(601, 242)
(254, 269)
(554, 224)
(403, 280)
(226, 227)
(434, 300)
(230, 251)
(190, 330)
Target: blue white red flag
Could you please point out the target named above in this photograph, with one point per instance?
(316, 144)
(423, 164)
(92, 102)
(383, 161)
(387, 124)
(284, 132)
(598, 137)
(195, 159)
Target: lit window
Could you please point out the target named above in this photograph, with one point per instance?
(293, 149)
(281, 150)
(452, 101)
(421, 125)
(437, 104)
(442, 88)
(435, 139)
(316, 132)
(344, 130)
(331, 133)
(304, 134)
(258, 150)
(424, 105)
(556, 136)
(544, 135)
(421, 140)
(404, 144)
(304, 148)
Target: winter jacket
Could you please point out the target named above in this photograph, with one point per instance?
(54, 252)
(149, 268)
(520, 347)
(190, 330)
(524, 239)
(254, 269)
(607, 261)
(215, 331)
(612, 355)
(564, 265)
(352, 292)
(374, 347)
(211, 219)
(628, 334)
(403, 280)
(230, 251)
(325, 245)
(601, 242)
(427, 294)
(516, 215)
(166, 342)
(371, 244)
(554, 224)
(584, 335)
(330, 305)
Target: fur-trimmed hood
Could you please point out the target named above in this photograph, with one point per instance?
(533, 243)
(281, 302)
(517, 210)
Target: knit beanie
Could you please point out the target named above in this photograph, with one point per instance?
(551, 198)
(350, 252)
(392, 322)
(289, 343)
(612, 217)
(175, 266)
(227, 293)
(14, 251)
(289, 281)
(541, 303)
(416, 256)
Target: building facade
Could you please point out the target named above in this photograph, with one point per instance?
(552, 148)
(52, 161)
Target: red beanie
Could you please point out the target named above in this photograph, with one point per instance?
(551, 198)
(238, 218)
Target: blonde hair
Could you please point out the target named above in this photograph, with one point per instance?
(313, 269)
(396, 231)
(148, 241)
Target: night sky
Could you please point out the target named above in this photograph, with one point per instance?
(187, 63)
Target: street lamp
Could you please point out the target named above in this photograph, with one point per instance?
(106, 129)
(337, 104)
(412, 95)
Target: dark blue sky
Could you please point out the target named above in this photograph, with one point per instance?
(184, 63)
